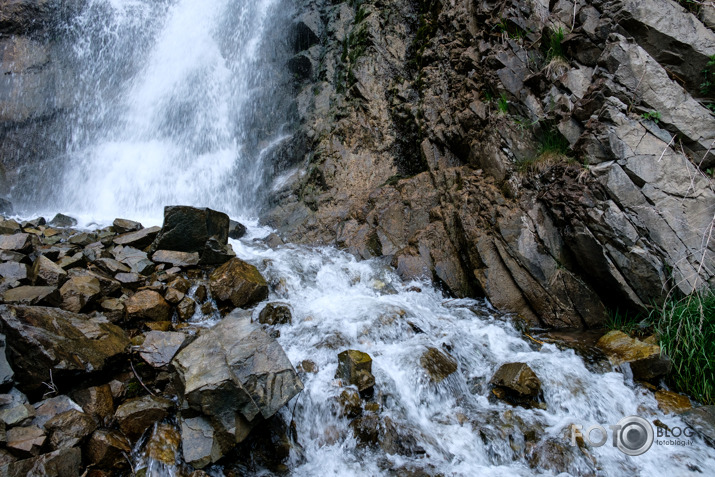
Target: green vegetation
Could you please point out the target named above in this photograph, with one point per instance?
(503, 103)
(556, 49)
(552, 141)
(686, 330)
(707, 87)
(651, 116)
(633, 325)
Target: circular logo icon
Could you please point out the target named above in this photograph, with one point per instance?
(635, 435)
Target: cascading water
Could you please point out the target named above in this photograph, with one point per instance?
(172, 107)
(170, 111)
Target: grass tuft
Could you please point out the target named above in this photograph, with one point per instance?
(686, 329)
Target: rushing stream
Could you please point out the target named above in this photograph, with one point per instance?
(173, 110)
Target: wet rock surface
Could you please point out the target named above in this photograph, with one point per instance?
(355, 368)
(645, 360)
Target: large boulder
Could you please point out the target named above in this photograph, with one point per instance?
(47, 340)
(517, 384)
(190, 229)
(238, 282)
(160, 347)
(79, 292)
(235, 374)
(148, 305)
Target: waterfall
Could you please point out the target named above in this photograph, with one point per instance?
(172, 106)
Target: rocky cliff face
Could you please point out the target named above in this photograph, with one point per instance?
(555, 157)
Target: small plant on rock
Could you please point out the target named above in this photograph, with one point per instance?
(503, 103)
(651, 116)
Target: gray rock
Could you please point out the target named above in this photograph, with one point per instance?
(16, 242)
(123, 226)
(702, 420)
(16, 414)
(26, 441)
(200, 446)
(137, 415)
(80, 292)
(45, 272)
(236, 230)
(159, 347)
(14, 271)
(51, 407)
(175, 258)
(246, 374)
(61, 220)
(112, 266)
(140, 239)
(6, 372)
(29, 295)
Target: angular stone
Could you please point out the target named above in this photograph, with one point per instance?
(6, 372)
(672, 403)
(187, 229)
(186, 308)
(350, 403)
(61, 220)
(173, 296)
(159, 348)
(45, 272)
(61, 463)
(236, 367)
(355, 368)
(236, 230)
(107, 449)
(147, 305)
(79, 292)
(438, 364)
(139, 239)
(518, 378)
(72, 261)
(28, 295)
(108, 284)
(96, 401)
(49, 408)
(26, 440)
(137, 415)
(163, 445)
(69, 429)
(16, 414)
(14, 271)
(123, 226)
(16, 242)
(215, 253)
(41, 340)
(645, 359)
(200, 446)
(111, 266)
(275, 314)
(238, 282)
(176, 258)
(131, 280)
(83, 239)
(9, 227)
(181, 284)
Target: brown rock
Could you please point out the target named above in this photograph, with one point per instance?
(672, 403)
(9, 227)
(137, 415)
(16, 242)
(26, 440)
(147, 305)
(45, 272)
(28, 295)
(355, 368)
(186, 309)
(516, 383)
(72, 261)
(176, 258)
(275, 314)
(69, 429)
(159, 347)
(350, 404)
(111, 266)
(139, 239)
(96, 401)
(79, 292)
(438, 364)
(366, 429)
(645, 360)
(61, 463)
(123, 226)
(107, 449)
(181, 284)
(173, 296)
(163, 444)
(238, 282)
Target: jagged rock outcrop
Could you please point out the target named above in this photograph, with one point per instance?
(555, 158)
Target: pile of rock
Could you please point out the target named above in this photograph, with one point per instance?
(98, 346)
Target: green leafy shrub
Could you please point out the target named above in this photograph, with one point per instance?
(556, 49)
(651, 116)
(503, 103)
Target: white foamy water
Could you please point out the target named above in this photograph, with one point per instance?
(339, 303)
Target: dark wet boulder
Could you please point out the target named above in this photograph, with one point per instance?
(200, 446)
(147, 305)
(137, 415)
(190, 229)
(5, 207)
(275, 314)
(41, 340)
(69, 429)
(239, 283)
(236, 230)
(366, 429)
(6, 372)
(176, 258)
(9, 227)
(438, 365)
(123, 226)
(355, 368)
(702, 420)
(163, 444)
(186, 308)
(517, 384)
(50, 407)
(62, 220)
(236, 373)
(97, 401)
